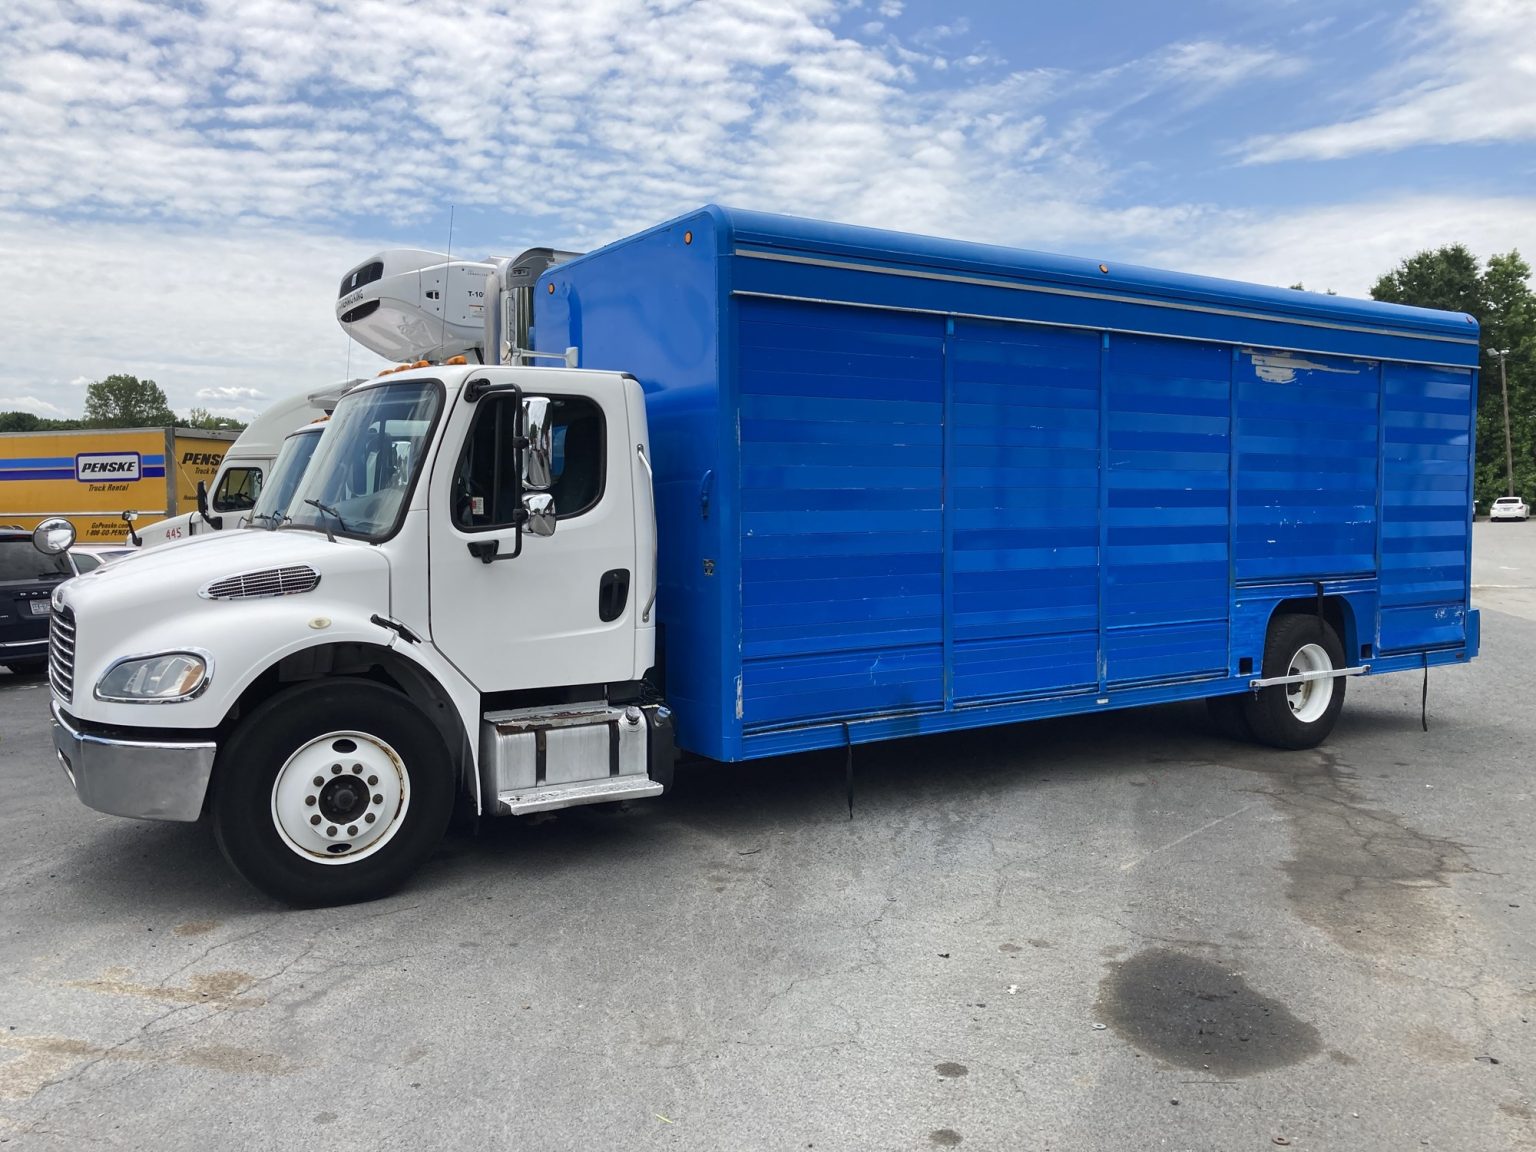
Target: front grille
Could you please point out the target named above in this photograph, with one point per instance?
(61, 653)
(267, 582)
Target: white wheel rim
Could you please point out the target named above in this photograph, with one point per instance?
(359, 776)
(1309, 699)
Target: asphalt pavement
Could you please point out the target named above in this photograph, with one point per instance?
(1113, 933)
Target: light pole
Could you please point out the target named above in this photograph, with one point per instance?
(1509, 450)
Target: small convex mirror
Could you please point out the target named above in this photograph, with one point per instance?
(541, 514)
(540, 453)
(53, 536)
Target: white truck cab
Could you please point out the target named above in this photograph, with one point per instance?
(246, 467)
(419, 629)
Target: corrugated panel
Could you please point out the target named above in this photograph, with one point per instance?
(1426, 501)
(841, 512)
(1024, 496)
(1306, 466)
(1166, 568)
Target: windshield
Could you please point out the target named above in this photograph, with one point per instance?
(20, 563)
(366, 463)
(272, 506)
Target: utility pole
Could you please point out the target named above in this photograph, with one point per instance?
(1509, 451)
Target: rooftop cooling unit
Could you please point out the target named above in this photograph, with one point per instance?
(406, 304)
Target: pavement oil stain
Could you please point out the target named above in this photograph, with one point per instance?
(1196, 1014)
(950, 1071)
(1359, 872)
(195, 928)
(45, 1060)
(219, 989)
(944, 1137)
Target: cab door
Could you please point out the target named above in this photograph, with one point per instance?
(542, 611)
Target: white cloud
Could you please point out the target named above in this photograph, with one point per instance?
(34, 405)
(1344, 247)
(241, 311)
(1470, 78)
(228, 393)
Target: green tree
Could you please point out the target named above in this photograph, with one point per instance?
(202, 418)
(122, 401)
(19, 422)
(1500, 299)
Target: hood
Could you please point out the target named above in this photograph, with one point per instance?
(172, 572)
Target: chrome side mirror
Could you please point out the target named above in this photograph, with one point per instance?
(540, 507)
(539, 455)
(55, 535)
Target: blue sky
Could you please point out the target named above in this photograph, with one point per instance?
(183, 184)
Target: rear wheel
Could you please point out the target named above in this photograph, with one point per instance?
(331, 793)
(1298, 715)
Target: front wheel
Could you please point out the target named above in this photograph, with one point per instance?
(331, 793)
(1298, 715)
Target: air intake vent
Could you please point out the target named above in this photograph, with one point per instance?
(268, 582)
(362, 311)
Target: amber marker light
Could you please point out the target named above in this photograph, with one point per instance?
(687, 237)
(457, 360)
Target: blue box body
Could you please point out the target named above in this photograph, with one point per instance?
(907, 485)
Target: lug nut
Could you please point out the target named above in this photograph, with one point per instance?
(373, 781)
(335, 769)
(315, 819)
(357, 769)
(352, 831)
(377, 799)
(331, 831)
(369, 817)
(310, 800)
(319, 781)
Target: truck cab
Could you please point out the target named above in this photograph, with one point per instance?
(245, 469)
(456, 609)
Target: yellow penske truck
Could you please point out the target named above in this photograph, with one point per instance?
(91, 476)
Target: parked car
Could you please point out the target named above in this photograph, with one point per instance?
(27, 580)
(1509, 508)
(88, 557)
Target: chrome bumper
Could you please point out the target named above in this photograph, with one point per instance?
(147, 779)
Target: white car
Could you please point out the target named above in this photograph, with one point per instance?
(1509, 508)
(89, 557)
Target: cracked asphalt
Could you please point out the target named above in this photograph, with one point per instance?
(1112, 933)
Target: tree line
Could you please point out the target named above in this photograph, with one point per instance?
(119, 401)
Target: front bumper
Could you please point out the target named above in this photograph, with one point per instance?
(146, 779)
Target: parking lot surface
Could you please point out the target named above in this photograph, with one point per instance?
(1121, 932)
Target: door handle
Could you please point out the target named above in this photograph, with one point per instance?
(612, 594)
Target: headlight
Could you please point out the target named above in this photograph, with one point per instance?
(160, 679)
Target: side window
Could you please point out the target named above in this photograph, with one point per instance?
(238, 489)
(485, 482)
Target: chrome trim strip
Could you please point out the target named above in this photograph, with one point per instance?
(1088, 328)
(986, 282)
(43, 643)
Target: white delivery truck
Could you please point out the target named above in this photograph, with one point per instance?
(243, 471)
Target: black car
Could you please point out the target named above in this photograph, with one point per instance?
(27, 579)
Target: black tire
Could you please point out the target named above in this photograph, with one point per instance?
(1228, 718)
(1272, 712)
(280, 729)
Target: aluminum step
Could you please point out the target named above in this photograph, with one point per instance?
(523, 801)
